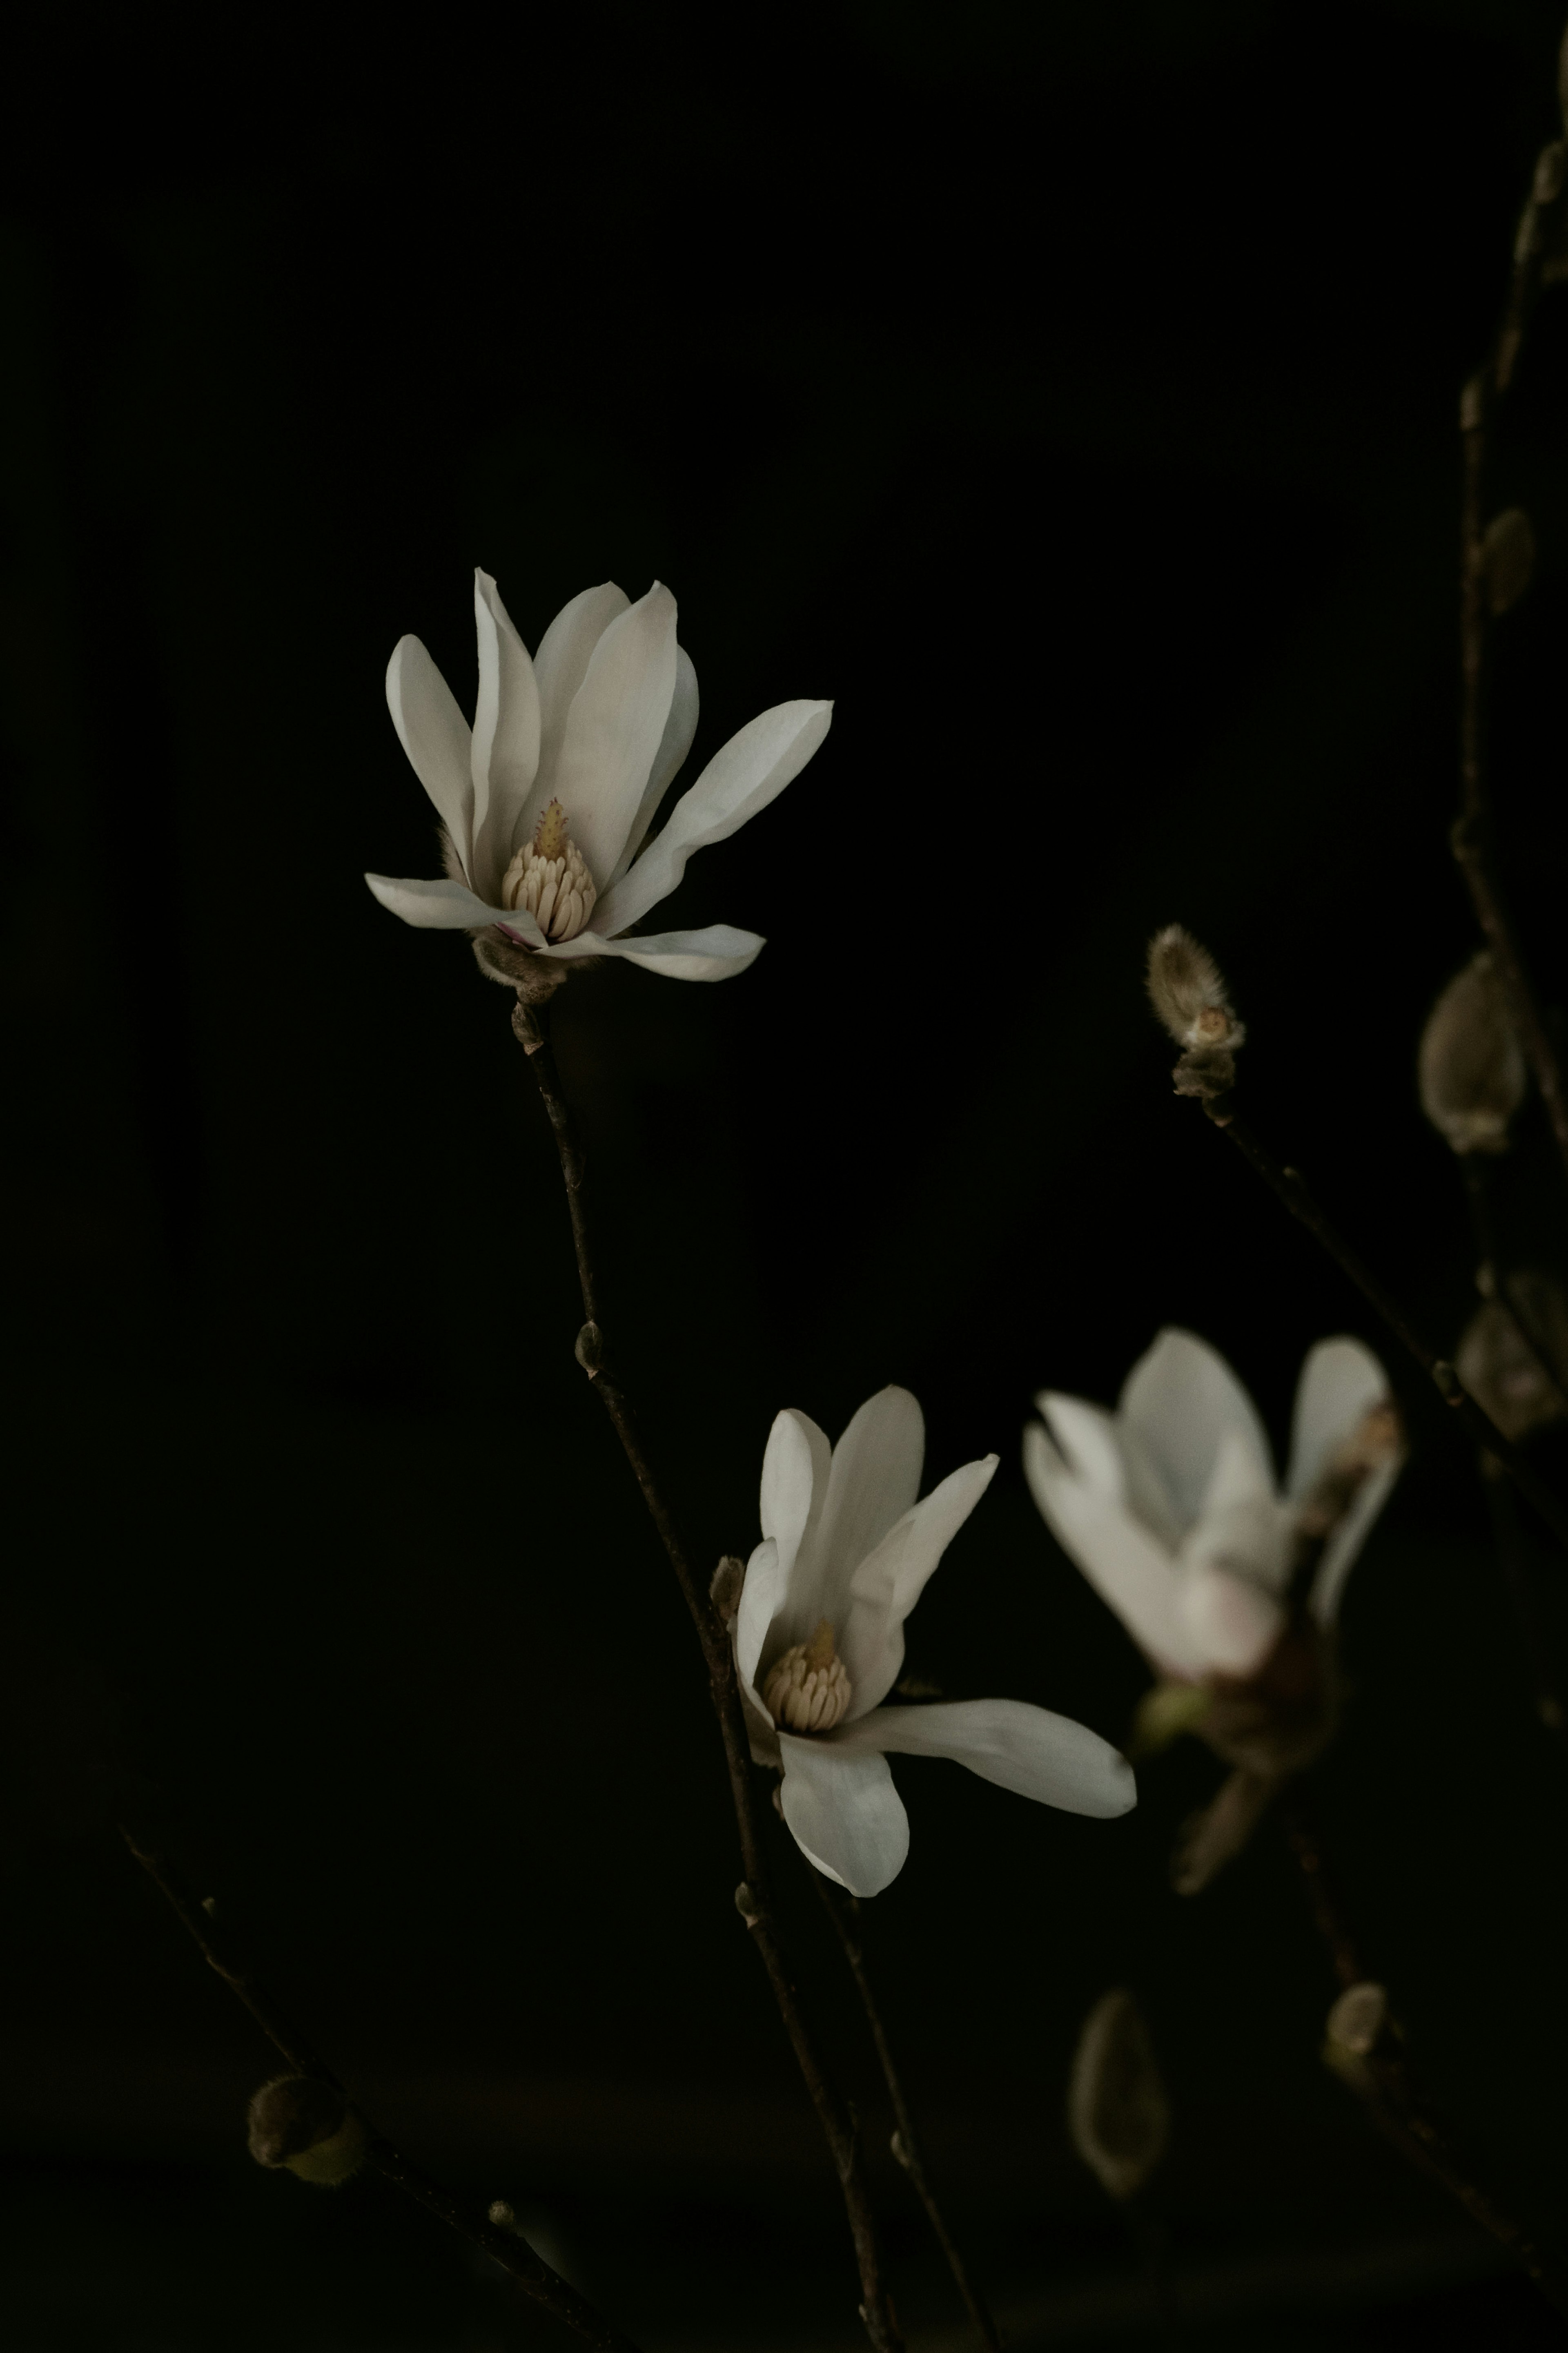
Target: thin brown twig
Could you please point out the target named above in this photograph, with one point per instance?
(844, 1914)
(1474, 834)
(1290, 1187)
(753, 1898)
(1490, 1278)
(1397, 2101)
(532, 2275)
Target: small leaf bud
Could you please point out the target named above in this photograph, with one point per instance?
(746, 1904)
(1469, 1066)
(1507, 558)
(900, 2154)
(308, 2126)
(589, 1349)
(1188, 994)
(1358, 2018)
(502, 2216)
(1509, 1366)
(724, 1592)
(1118, 2114)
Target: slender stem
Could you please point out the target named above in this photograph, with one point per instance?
(1290, 1187)
(1474, 833)
(1398, 2103)
(753, 1898)
(532, 2275)
(844, 1914)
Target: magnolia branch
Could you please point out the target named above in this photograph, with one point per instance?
(1474, 832)
(844, 1914)
(752, 1897)
(1392, 2091)
(532, 2275)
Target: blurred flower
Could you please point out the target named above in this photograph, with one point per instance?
(1470, 1066)
(1117, 2112)
(1512, 1376)
(1170, 1506)
(545, 803)
(819, 1642)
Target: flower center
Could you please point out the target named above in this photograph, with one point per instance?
(808, 1689)
(551, 880)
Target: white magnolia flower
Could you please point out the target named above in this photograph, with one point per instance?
(1170, 1507)
(547, 799)
(819, 1641)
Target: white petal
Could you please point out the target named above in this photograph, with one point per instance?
(614, 729)
(794, 1488)
(1340, 1551)
(875, 1478)
(1234, 1623)
(885, 1586)
(751, 770)
(759, 1601)
(1028, 1749)
(450, 907)
(678, 730)
(1340, 1382)
(1238, 1481)
(560, 666)
(506, 737)
(716, 952)
(1180, 1397)
(434, 735)
(1113, 1457)
(844, 1813)
(1121, 1560)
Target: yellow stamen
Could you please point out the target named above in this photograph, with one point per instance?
(549, 838)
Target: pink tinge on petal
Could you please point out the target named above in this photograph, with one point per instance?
(1234, 1623)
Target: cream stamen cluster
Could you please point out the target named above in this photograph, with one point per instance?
(808, 1689)
(550, 878)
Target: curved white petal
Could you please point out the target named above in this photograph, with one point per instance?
(505, 755)
(560, 666)
(1232, 1623)
(874, 1479)
(1180, 1397)
(753, 1616)
(450, 907)
(885, 1586)
(844, 1813)
(680, 729)
(1114, 1459)
(1340, 1382)
(794, 1487)
(1340, 1551)
(750, 771)
(434, 735)
(614, 729)
(1028, 1749)
(716, 952)
(1126, 1565)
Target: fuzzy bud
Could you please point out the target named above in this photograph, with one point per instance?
(308, 2126)
(746, 1904)
(1469, 1067)
(1189, 997)
(1358, 2018)
(1510, 1366)
(1507, 558)
(1118, 2114)
(724, 1592)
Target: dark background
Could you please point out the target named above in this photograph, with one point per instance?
(1070, 392)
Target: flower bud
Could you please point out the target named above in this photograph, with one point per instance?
(1507, 558)
(1470, 1069)
(1507, 1364)
(1189, 997)
(1118, 2114)
(724, 1592)
(746, 1904)
(308, 2126)
(1357, 2019)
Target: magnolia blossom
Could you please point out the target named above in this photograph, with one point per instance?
(819, 1642)
(1171, 1509)
(545, 803)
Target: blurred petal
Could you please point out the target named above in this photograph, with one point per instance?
(434, 735)
(1180, 1397)
(885, 1586)
(844, 1813)
(1041, 1756)
(560, 666)
(1124, 1563)
(1340, 1382)
(1339, 1554)
(1213, 1837)
(1113, 1457)
(751, 770)
(450, 907)
(716, 952)
(613, 730)
(506, 737)
(1234, 1623)
(678, 730)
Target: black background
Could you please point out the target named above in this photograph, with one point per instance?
(1070, 393)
